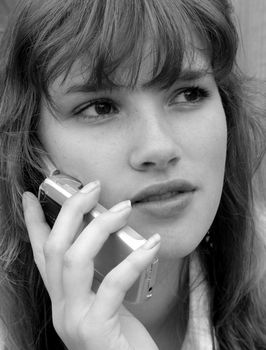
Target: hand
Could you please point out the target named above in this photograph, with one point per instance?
(85, 320)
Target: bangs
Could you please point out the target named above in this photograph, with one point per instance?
(109, 35)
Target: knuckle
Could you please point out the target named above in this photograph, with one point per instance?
(100, 224)
(101, 220)
(52, 248)
(112, 282)
(133, 264)
(73, 206)
(69, 204)
(108, 221)
(69, 260)
(46, 249)
(78, 204)
(89, 330)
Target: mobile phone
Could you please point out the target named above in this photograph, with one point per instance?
(54, 190)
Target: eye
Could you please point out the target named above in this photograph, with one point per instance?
(190, 95)
(96, 110)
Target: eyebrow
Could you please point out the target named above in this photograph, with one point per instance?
(89, 87)
(186, 75)
(195, 74)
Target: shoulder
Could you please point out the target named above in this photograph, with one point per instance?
(260, 220)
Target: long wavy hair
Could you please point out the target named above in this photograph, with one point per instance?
(43, 40)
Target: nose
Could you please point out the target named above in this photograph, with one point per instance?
(156, 146)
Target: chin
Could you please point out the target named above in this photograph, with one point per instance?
(179, 236)
(177, 249)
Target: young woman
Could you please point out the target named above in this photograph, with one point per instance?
(142, 102)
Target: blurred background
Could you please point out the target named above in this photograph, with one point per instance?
(6, 7)
(251, 16)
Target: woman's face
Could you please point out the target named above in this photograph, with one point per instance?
(163, 149)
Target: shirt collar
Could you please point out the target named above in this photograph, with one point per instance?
(200, 334)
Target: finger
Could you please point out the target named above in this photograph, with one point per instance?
(72, 213)
(63, 233)
(90, 241)
(115, 285)
(38, 230)
(78, 262)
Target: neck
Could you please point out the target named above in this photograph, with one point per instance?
(163, 314)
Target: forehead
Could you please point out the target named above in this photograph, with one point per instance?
(195, 60)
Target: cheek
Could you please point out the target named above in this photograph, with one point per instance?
(64, 145)
(212, 156)
(208, 157)
(83, 155)
(217, 145)
(208, 140)
(82, 158)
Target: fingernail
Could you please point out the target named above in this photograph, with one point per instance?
(121, 206)
(152, 242)
(90, 187)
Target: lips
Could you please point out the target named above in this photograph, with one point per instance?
(163, 191)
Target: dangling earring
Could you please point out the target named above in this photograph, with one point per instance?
(208, 240)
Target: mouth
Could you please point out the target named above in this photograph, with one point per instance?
(163, 192)
(168, 200)
(158, 198)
